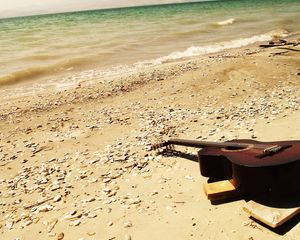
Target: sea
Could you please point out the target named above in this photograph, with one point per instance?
(60, 50)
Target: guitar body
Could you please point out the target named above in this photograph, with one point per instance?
(250, 170)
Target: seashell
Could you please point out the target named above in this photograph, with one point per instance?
(45, 208)
(110, 223)
(36, 220)
(57, 198)
(9, 225)
(51, 159)
(106, 180)
(91, 199)
(127, 224)
(134, 201)
(92, 215)
(168, 196)
(55, 187)
(73, 212)
(77, 222)
(127, 237)
(106, 190)
(91, 233)
(188, 177)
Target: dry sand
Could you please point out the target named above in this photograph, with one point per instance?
(76, 164)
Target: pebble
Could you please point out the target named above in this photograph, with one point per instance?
(77, 222)
(127, 237)
(127, 224)
(9, 225)
(57, 198)
(27, 223)
(92, 215)
(168, 196)
(91, 233)
(45, 208)
(134, 201)
(60, 236)
(188, 177)
(110, 223)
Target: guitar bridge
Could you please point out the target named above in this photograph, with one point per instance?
(272, 150)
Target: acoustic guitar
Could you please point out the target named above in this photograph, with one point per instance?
(246, 166)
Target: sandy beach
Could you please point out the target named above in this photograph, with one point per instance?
(76, 163)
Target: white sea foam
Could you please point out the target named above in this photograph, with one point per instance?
(95, 75)
(201, 50)
(226, 22)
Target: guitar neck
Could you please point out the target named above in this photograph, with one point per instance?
(202, 144)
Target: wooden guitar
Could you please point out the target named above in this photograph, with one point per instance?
(246, 166)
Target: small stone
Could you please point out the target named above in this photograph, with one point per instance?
(76, 223)
(154, 193)
(45, 208)
(27, 223)
(168, 196)
(92, 215)
(9, 225)
(57, 198)
(169, 208)
(188, 177)
(52, 159)
(134, 201)
(55, 187)
(127, 237)
(60, 236)
(127, 224)
(106, 190)
(91, 233)
(73, 212)
(106, 180)
(110, 223)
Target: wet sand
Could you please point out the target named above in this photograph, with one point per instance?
(76, 164)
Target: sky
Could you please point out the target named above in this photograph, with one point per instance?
(11, 8)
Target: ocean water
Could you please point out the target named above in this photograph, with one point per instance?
(59, 48)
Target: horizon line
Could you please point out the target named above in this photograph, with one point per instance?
(107, 8)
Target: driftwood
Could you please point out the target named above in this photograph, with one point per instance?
(280, 43)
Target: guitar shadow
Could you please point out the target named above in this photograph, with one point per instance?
(290, 201)
(175, 153)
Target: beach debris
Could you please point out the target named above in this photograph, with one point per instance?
(77, 222)
(51, 225)
(127, 237)
(60, 236)
(127, 224)
(91, 233)
(110, 223)
(277, 42)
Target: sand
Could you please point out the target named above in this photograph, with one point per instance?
(76, 164)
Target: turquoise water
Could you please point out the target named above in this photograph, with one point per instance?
(49, 47)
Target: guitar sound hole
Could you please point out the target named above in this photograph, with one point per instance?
(235, 148)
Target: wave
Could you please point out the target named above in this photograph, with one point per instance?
(118, 70)
(226, 22)
(201, 50)
(31, 73)
(76, 63)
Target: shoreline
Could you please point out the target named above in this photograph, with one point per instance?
(123, 80)
(77, 162)
(62, 75)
